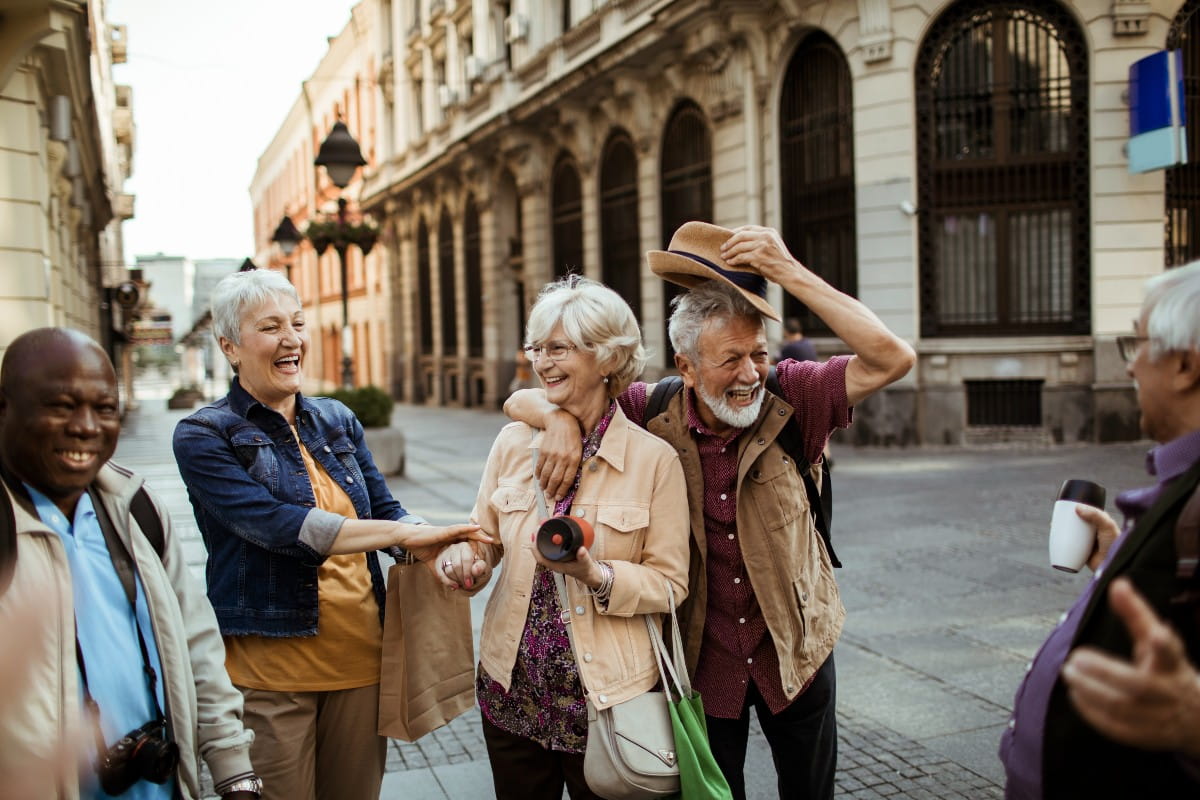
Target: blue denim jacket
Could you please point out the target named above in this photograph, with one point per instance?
(256, 511)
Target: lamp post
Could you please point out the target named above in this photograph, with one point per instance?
(287, 236)
(341, 157)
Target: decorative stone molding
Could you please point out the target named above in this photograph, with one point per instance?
(875, 30)
(386, 79)
(1130, 17)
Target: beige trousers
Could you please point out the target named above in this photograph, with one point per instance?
(316, 745)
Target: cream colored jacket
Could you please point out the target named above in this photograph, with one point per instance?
(633, 493)
(204, 707)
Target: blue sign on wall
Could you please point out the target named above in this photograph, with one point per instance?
(1157, 116)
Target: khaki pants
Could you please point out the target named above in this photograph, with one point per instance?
(316, 745)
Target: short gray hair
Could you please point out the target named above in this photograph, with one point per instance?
(236, 293)
(1172, 310)
(700, 305)
(595, 319)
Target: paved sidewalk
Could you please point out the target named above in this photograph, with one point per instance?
(946, 584)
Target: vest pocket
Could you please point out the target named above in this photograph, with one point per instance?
(778, 491)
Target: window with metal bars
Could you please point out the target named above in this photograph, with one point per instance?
(1009, 403)
(424, 288)
(446, 281)
(1003, 171)
(816, 134)
(1183, 180)
(686, 185)
(566, 211)
(473, 270)
(620, 243)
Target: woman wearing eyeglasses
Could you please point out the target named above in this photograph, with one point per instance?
(586, 348)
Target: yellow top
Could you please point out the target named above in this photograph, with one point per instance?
(345, 653)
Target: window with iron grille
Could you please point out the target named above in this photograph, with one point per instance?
(686, 180)
(1009, 403)
(816, 134)
(472, 263)
(446, 279)
(1183, 180)
(1003, 171)
(620, 244)
(424, 288)
(566, 211)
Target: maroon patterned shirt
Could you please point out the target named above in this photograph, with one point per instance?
(737, 648)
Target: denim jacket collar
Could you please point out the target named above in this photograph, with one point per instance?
(242, 403)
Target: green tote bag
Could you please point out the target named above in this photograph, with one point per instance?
(699, 776)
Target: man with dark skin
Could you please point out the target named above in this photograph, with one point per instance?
(59, 424)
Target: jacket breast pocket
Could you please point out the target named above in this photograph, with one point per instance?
(780, 496)
(618, 526)
(256, 453)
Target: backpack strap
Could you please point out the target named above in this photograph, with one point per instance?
(146, 515)
(791, 439)
(664, 390)
(1187, 550)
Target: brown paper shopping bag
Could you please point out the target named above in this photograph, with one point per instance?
(428, 674)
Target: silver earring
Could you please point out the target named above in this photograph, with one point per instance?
(606, 380)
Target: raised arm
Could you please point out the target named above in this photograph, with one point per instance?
(880, 357)
(562, 443)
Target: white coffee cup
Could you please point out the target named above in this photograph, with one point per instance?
(1072, 539)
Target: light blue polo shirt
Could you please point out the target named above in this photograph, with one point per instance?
(107, 638)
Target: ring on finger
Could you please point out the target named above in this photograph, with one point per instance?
(447, 564)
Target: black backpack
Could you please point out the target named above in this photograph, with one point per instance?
(791, 439)
(141, 507)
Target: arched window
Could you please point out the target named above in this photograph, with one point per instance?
(446, 279)
(620, 244)
(472, 263)
(566, 210)
(1183, 181)
(1002, 135)
(686, 180)
(424, 288)
(816, 135)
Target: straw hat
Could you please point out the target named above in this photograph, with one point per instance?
(694, 256)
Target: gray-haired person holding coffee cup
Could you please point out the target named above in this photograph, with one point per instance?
(1110, 706)
(586, 348)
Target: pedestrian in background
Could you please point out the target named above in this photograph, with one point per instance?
(795, 346)
(763, 611)
(1110, 707)
(533, 692)
(291, 508)
(116, 637)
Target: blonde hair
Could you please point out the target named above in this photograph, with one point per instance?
(595, 319)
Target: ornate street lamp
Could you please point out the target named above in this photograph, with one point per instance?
(288, 237)
(341, 157)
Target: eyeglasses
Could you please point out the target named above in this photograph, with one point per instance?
(555, 351)
(1128, 346)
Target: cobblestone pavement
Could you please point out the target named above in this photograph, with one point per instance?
(946, 585)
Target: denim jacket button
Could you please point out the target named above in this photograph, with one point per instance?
(328, 449)
(349, 479)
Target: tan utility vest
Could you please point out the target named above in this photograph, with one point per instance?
(789, 568)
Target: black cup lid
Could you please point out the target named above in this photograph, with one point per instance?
(1081, 491)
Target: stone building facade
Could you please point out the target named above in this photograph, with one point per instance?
(66, 148)
(958, 166)
(342, 88)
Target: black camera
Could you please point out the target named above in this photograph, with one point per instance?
(142, 754)
(560, 537)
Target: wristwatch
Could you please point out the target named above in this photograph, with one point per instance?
(251, 784)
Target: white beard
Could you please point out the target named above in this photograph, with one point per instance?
(734, 417)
